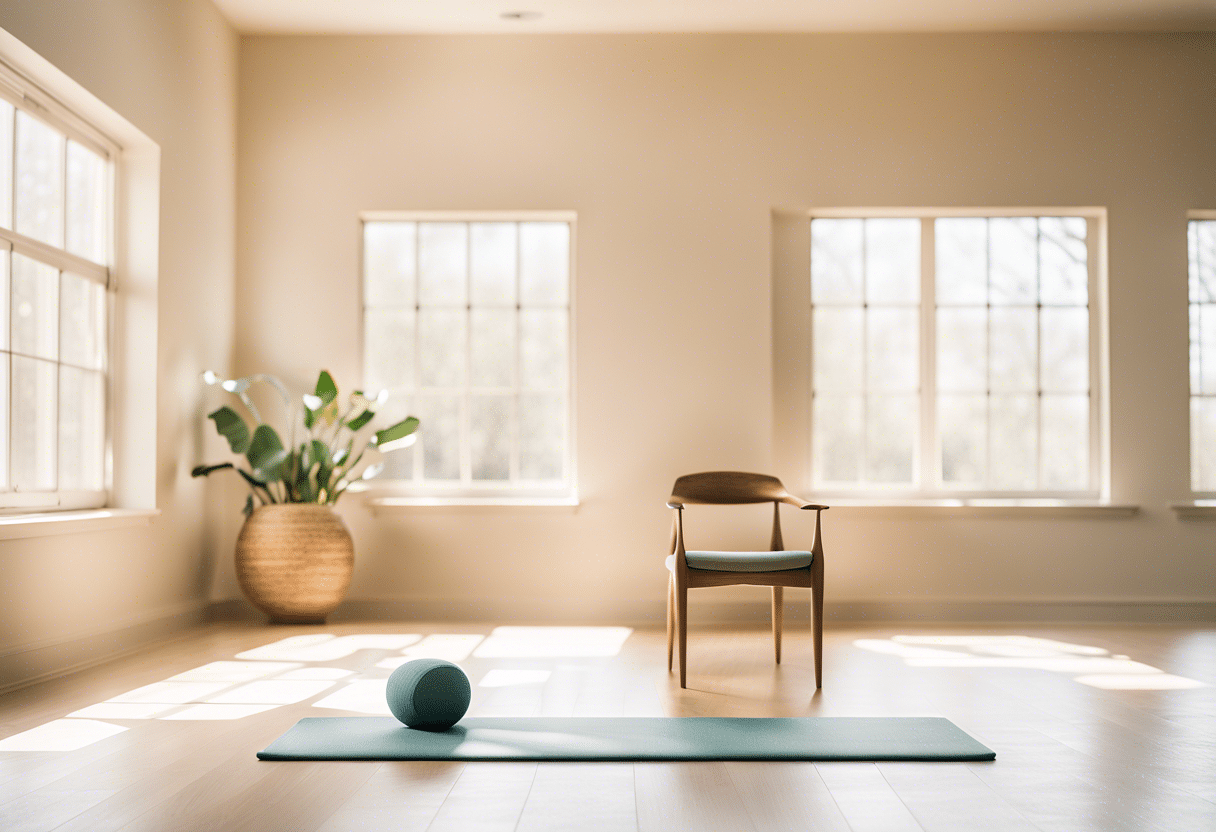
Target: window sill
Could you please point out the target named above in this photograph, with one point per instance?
(1198, 510)
(393, 505)
(16, 526)
(984, 508)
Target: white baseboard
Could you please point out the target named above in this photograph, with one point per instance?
(27, 663)
(649, 613)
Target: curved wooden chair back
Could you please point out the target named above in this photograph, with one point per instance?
(727, 488)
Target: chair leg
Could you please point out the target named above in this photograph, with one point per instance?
(681, 593)
(671, 611)
(817, 625)
(778, 620)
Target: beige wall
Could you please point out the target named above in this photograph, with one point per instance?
(674, 150)
(169, 67)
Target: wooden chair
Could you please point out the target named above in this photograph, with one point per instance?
(777, 567)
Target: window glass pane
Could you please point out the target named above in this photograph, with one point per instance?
(892, 357)
(1203, 448)
(542, 348)
(398, 464)
(836, 258)
(963, 422)
(443, 249)
(544, 263)
(388, 348)
(836, 441)
(87, 201)
(1013, 260)
(82, 322)
(493, 262)
(1196, 335)
(1065, 460)
(1063, 261)
(838, 353)
(1065, 338)
(961, 255)
(542, 435)
(490, 437)
(441, 347)
(35, 309)
(81, 429)
(4, 420)
(962, 349)
(39, 209)
(892, 271)
(34, 431)
(1202, 250)
(492, 348)
(6, 164)
(389, 261)
(1014, 442)
(5, 294)
(891, 429)
(439, 437)
(1013, 352)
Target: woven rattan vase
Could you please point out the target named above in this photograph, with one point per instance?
(294, 561)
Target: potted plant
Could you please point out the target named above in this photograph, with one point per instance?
(294, 556)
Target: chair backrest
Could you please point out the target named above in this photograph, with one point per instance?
(727, 488)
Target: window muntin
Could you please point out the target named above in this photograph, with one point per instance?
(953, 355)
(1201, 250)
(467, 325)
(56, 204)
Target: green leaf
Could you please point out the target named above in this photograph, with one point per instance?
(398, 431)
(232, 427)
(360, 420)
(266, 454)
(204, 470)
(342, 454)
(310, 418)
(248, 510)
(326, 390)
(249, 478)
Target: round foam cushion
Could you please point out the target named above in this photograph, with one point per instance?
(430, 694)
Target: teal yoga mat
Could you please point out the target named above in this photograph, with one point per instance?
(631, 739)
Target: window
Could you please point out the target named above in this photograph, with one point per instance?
(56, 211)
(466, 322)
(1201, 248)
(954, 355)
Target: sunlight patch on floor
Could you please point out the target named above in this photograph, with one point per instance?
(326, 647)
(552, 642)
(1140, 681)
(1093, 666)
(272, 692)
(61, 735)
(503, 677)
(364, 696)
(124, 710)
(207, 711)
(233, 671)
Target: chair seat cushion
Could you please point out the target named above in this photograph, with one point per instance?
(747, 561)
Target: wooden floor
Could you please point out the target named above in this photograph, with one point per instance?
(1070, 756)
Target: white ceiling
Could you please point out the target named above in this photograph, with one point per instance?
(433, 16)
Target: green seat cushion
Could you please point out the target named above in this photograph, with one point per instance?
(748, 561)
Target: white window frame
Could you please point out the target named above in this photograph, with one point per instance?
(1200, 494)
(387, 493)
(28, 99)
(927, 485)
(131, 278)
